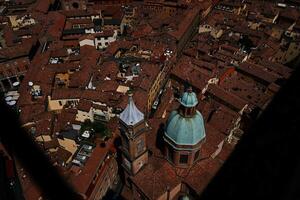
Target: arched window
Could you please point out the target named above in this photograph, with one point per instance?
(196, 155)
(183, 158)
(170, 154)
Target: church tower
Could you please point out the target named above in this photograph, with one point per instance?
(185, 132)
(133, 136)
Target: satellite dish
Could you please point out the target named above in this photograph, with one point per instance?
(8, 98)
(30, 83)
(15, 84)
(11, 103)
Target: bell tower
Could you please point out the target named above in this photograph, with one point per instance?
(133, 136)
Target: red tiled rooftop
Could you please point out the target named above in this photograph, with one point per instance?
(81, 78)
(258, 72)
(66, 93)
(29, 111)
(64, 119)
(84, 105)
(247, 89)
(82, 181)
(42, 6)
(279, 68)
(154, 178)
(186, 22)
(227, 97)
(78, 13)
(185, 71)
(56, 23)
(107, 86)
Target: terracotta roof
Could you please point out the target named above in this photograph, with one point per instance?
(43, 127)
(84, 105)
(56, 23)
(63, 155)
(51, 144)
(17, 50)
(66, 93)
(224, 115)
(247, 89)
(78, 13)
(14, 67)
(227, 97)
(107, 86)
(185, 22)
(142, 31)
(64, 119)
(159, 174)
(116, 45)
(258, 72)
(59, 53)
(29, 111)
(62, 67)
(185, 71)
(82, 181)
(154, 178)
(81, 78)
(42, 6)
(279, 68)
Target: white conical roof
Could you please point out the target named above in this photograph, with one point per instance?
(131, 115)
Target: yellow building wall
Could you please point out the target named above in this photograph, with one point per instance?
(58, 104)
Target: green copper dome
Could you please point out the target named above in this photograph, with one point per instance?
(189, 99)
(185, 131)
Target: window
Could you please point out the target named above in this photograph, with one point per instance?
(140, 146)
(189, 111)
(127, 163)
(196, 155)
(60, 103)
(183, 158)
(125, 142)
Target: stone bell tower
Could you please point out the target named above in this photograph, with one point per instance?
(133, 136)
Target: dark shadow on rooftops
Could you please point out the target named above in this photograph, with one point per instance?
(19, 144)
(266, 161)
(117, 145)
